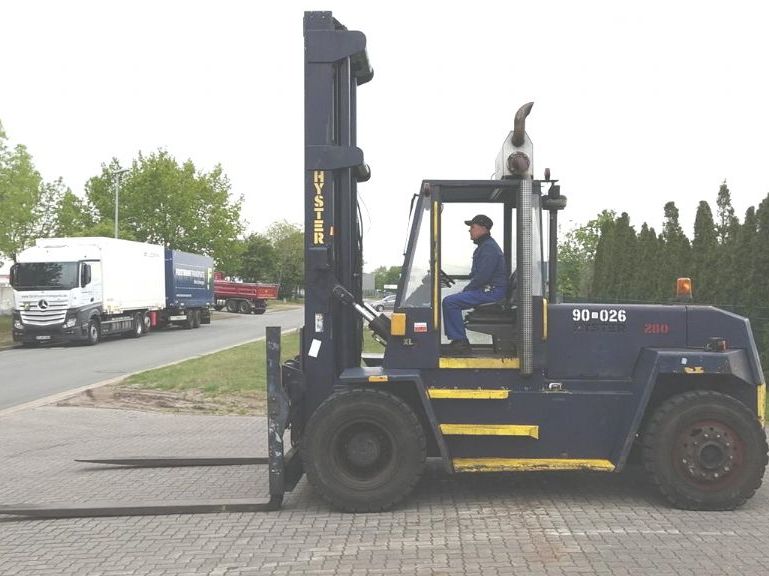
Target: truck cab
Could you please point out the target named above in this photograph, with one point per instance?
(53, 288)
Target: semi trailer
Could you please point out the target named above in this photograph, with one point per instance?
(83, 289)
(189, 281)
(242, 297)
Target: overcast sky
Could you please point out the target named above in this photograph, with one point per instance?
(635, 104)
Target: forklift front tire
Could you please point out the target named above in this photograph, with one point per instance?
(364, 450)
(705, 451)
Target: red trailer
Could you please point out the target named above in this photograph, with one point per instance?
(243, 297)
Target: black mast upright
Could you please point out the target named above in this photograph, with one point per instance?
(335, 64)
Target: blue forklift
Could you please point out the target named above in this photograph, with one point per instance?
(542, 386)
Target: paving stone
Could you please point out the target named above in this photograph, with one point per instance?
(528, 524)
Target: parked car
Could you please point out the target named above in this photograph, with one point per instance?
(386, 303)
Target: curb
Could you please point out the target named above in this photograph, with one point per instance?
(58, 397)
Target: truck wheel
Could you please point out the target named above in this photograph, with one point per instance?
(260, 311)
(189, 322)
(138, 329)
(94, 333)
(196, 318)
(245, 307)
(705, 451)
(363, 450)
(232, 306)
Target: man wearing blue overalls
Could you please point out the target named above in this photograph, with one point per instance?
(488, 283)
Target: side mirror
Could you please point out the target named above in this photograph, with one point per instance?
(12, 277)
(85, 275)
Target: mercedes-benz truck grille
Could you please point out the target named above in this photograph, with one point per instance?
(44, 311)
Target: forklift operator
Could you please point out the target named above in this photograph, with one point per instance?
(488, 283)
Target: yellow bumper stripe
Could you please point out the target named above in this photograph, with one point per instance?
(761, 399)
(528, 464)
(467, 394)
(479, 363)
(491, 430)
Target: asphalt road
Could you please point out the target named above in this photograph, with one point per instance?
(29, 374)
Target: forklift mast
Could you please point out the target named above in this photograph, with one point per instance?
(336, 63)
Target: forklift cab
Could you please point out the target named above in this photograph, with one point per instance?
(438, 260)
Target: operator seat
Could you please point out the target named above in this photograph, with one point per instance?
(498, 319)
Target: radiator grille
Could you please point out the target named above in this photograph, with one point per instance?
(46, 311)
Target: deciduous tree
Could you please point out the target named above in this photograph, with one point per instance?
(177, 205)
(20, 190)
(257, 259)
(288, 242)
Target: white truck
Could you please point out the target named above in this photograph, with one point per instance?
(80, 289)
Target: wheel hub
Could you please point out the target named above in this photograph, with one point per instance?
(708, 451)
(363, 449)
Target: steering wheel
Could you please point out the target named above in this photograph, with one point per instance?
(447, 280)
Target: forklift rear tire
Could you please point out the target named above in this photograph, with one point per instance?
(705, 451)
(363, 450)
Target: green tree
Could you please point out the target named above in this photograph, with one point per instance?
(74, 218)
(163, 202)
(647, 265)
(741, 272)
(614, 260)
(727, 230)
(288, 242)
(625, 259)
(704, 255)
(576, 257)
(384, 275)
(20, 190)
(726, 220)
(676, 260)
(257, 260)
(759, 279)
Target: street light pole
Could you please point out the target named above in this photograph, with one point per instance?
(118, 174)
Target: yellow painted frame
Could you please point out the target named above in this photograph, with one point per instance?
(451, 362)
(531, 431)
(467, 394)
(529, 464)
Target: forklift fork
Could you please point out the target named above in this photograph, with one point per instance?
(285, 470)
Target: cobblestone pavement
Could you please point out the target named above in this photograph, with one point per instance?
(527, 524)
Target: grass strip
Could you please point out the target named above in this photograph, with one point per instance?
(6, 339)
(235, 371)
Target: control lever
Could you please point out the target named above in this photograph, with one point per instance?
(377, 322)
